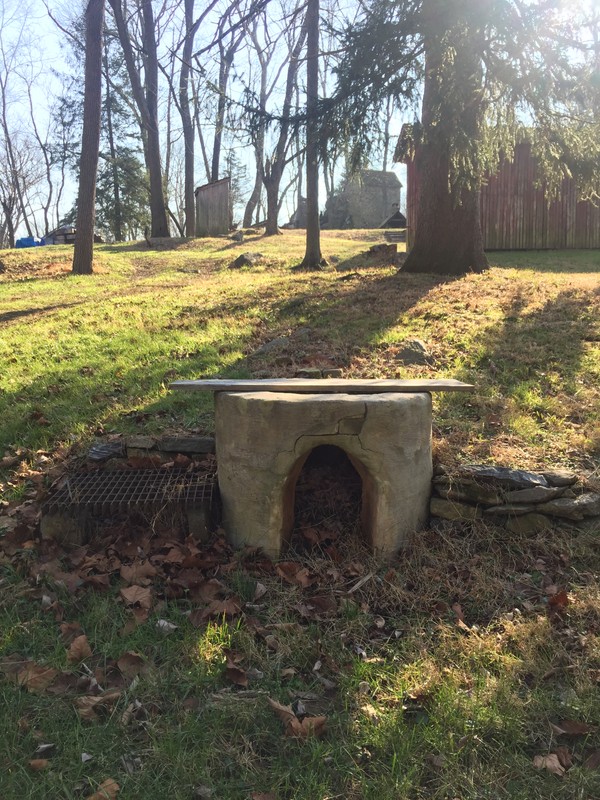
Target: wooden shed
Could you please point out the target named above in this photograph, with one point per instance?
(213, 208)
(515, 215)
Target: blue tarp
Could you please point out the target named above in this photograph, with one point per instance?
(29, 241)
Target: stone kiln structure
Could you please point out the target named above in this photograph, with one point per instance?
(265, 431)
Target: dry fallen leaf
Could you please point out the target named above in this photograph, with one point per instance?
(309, 726)
(296, 728)
(551, 762)
(263, 796)
(86, 706)
(260, 590)
(284, 713)
(288, 672)
(564, 756)
(593, 760)
(137, 596)
(222, 608)
(107, 790)
(140, 572)
(572, 728)
(233, 672)
(558, 602)
(79, 650)
(38, 764)
(131, 664)
(294, 573)
(236, 675)
(45, 749)
(70, 631)
(205, 591)
(35, 677)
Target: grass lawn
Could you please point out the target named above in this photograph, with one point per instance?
(454, 672)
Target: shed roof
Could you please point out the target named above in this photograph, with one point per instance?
(211, 184)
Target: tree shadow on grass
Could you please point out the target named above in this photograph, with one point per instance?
(548, 341)
(10, 316)
(533, 365)
(340, 315)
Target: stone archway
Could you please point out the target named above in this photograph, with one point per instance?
(264, 438)
(324, 495)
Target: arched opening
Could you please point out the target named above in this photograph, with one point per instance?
(326, 494)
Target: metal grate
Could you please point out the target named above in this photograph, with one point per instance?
(122, 491)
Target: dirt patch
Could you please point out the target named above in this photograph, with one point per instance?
(18, 266)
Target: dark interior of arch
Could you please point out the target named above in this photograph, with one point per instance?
(327, 502)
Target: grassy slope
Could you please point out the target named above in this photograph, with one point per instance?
(82, 352)
(432, 710)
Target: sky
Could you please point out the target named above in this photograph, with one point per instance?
(32, 54)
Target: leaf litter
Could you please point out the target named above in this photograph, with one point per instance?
(155, 568)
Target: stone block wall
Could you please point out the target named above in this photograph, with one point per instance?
(523, 502)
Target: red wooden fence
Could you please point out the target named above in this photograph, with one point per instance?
(516, 216)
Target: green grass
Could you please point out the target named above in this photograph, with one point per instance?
(418, 708)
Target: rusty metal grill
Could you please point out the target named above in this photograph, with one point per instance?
(122, 491)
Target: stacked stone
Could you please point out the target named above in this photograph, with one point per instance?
(523, 502)
(161, 448)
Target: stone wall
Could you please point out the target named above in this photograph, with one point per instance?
(523, 502)
(364, 200)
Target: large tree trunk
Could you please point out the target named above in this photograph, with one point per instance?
(448, 238)
(312, 257)
(83, 252)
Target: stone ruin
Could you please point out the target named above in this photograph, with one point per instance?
(265, 438)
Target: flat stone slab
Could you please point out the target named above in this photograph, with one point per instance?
(324, 385)
(503, 476)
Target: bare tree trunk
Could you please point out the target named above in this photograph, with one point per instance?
(448, 237)
(158, 211)
(83, 252)
(187, 122)
(10, 228)
(198, 124)
(312, 257)
(254, 198)
(272, 182)
(12, 162)
(147, 102)
(275, 165)
(118, 221)
(226, 60)
(45, 150)
(259, 138)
